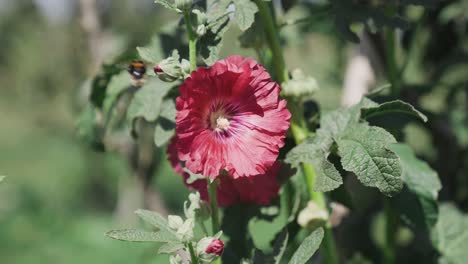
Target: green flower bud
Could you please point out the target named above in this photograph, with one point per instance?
(169, 69)
(312, 216)
(201, 30)
(183, 4)
(300, 85)
(210, 248)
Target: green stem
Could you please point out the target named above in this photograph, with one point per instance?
(212, 190)
(298, 124)
(193, 256)
(192, 41)
(273, 40)
(213, 193)
(391, 62)
(391, 228)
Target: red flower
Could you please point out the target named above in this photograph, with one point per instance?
(260, 189)
(230, 117)
(215, 247)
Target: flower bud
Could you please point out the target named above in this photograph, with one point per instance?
(210, 248)
(175, 259)
(300, 85)
(215, 247)
(169, 69)
(312, 216)
(201, 30)
(183, 4)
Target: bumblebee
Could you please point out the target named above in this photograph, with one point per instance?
(137, 69)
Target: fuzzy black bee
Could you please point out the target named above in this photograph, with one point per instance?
(137, 69)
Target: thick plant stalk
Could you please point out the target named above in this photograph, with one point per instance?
(192, 41)
(212, 190)
(298, 128)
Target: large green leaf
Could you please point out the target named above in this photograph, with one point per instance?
(88, 130)
(244, 13)
(147, 101)
(364, 150)
(117, 85)
(423, 183)
(308, 247)
(211, 42)
(279, 247)
(157, 221)
(396, 106)
(135, 235)
(450, 235)
(168, 4)
(152, 52)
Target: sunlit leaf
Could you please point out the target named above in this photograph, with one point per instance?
(308, 247)
(134, 235)
(364, 150)
(450, 235)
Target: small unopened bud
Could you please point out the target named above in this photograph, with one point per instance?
(210, 248)
(157, 69)
(215, 247)
(201, 30)
(183, 4)
(169, 69)
(312, 216)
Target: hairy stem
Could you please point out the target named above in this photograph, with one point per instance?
(298, 124)
(273, 40)
(193, 256)
(391, 228)
(212, 190)
(192, 41)
(390, 54)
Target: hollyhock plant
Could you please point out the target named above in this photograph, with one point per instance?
(260, 189)
(230, 117)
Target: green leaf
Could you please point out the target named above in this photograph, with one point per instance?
(308, 247)
(147, 101)
(165, 126)
(279, 248)
(2, 178)
(151, 53)
(168, 5)
(244, 13)
(134, 235)
(450, 235)
(364, 151)
(157, 221)
(423, 183)
(170, 248)
(117, 85)
(211, 42)
(396, 106)
(328, 177)
(87, 128)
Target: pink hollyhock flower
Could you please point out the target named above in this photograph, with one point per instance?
(260, 189)
(215, 247)
(230, 117)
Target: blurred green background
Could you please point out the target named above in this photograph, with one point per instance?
(60, 197)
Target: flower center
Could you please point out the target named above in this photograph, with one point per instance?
(222, 123)
(219, 121)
